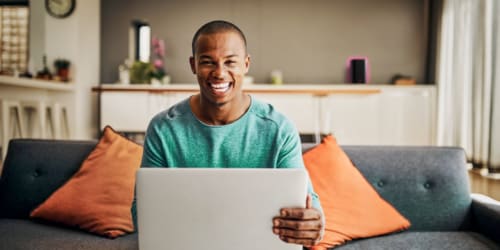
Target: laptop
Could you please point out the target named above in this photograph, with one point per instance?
(215, 209)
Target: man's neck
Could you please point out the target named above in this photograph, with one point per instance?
(219, 114)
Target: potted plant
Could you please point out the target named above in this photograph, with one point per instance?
(141, 72)
(62, 69)
(158, 75)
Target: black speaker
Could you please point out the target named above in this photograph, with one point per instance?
(358, 71)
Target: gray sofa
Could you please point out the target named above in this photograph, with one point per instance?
(428, 185)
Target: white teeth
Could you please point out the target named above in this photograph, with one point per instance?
(221, 87)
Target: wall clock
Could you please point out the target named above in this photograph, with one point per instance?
(60, 8)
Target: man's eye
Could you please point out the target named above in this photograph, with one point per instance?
(231, 63)
(205, 62)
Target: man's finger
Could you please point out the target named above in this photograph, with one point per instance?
(297, 225)
(303, 242)
(300, 213)
(309, 201)
(309, 235)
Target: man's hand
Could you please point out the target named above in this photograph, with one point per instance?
(301, 226)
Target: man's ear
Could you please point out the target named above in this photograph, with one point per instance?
(247, 63)
(191, 62)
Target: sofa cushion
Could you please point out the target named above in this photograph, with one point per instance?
(34, 169)
(424, 240)
(24, 234)
(352, 208)
(434, 177)
(99, 196)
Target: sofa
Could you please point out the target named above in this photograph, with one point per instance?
(428, 185)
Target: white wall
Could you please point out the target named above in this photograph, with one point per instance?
(88, 66)
(37, 34)
(77, 38)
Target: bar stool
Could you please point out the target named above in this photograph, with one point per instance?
(12, 122)
(60, 121)
(47, 121)
(38, 117)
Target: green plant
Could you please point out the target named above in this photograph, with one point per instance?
(158, 74)
(141, 72)
(61, 64)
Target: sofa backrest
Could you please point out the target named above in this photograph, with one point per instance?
(428, 185)
(34, 169)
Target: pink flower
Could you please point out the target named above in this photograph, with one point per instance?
(154, 41)
(161, 48)
(158, 46)
(158, 63)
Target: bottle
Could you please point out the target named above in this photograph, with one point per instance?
(276, 77)
(45, 72)
(124, 72)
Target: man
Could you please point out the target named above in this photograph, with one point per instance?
(224, 127)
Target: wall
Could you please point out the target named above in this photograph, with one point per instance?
(87, 49)
(36, 35)
(309, 40)
(75, 38)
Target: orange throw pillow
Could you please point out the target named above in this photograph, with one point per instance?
(352, 207)
(99, 196)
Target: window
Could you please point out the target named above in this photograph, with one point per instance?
(14, 39)
(141, 41)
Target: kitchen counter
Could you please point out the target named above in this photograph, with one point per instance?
(314, 89)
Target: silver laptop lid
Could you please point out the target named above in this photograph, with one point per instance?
(215, 209)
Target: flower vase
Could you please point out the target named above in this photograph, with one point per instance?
(165, 80)
(155, 81)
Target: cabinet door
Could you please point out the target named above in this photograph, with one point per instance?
(396, 116)
(407, 116)
(352, 119)
(157, 103)
(301, 109)
(125, 111)
(163, 101)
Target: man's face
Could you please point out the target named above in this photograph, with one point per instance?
(220, 63)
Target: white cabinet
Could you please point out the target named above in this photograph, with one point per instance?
(407, 116)
(159, 102)
(391, 115)
(125, 111)
(395, 116)
(352, 119)
(132, 111)
(301, 109)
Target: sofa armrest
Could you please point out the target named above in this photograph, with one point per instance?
(486, 216)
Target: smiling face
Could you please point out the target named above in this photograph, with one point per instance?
(220, 62)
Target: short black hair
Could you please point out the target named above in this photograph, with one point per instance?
(216, 27)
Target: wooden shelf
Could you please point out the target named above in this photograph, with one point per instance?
(36, 83)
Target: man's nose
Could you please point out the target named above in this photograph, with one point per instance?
(219, 71)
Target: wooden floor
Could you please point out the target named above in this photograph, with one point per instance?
(483, 185)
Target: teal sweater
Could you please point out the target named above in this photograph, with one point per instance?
(261, 138)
